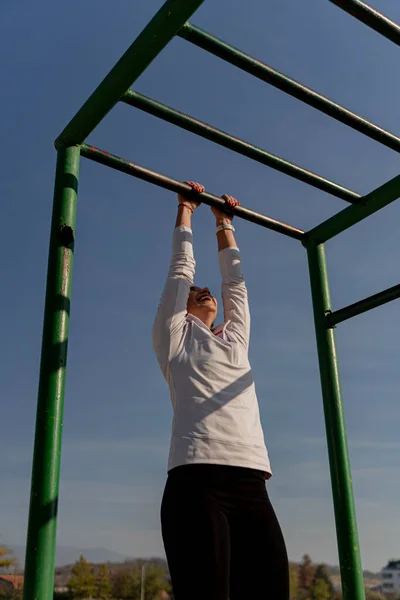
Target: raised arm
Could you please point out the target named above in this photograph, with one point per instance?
(234, 291)
(171, 311)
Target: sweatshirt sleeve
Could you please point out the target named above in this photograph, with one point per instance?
(171, 314)
(234, 296)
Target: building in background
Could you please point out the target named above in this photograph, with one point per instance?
(391, 577)
(9, 583)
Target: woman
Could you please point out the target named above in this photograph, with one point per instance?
(221, 536)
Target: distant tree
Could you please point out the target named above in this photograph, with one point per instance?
(7, 559)
(155, 582)
(15, 594)
(103, 584)
(320, 590)
(391, 596)
(321, 587)
(369, 595)
(293, 576)
(168, 585)
(127, 584)
(82, 583)
(305, 577)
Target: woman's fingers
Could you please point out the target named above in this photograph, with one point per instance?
(230, 200)
(197, 187)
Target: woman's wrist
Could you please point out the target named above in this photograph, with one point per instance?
(184, 216)
(223, 221)
(186, 207)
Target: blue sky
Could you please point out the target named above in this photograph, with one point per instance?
(117, 411)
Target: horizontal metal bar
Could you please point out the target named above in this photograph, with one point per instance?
(371, 17)
(371, 203)
(251, 65)
(154, 37)
(362, 306)
(236, 144)
(120, 164)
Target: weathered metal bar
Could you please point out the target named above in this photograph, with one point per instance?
(222, 138)
(120, 164)
(371, 203)
(339, 461)
(251, 65)
(371, 17)
(154, 37)
(362, 306)
(41, 540)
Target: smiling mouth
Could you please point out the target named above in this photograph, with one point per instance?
(204, 298)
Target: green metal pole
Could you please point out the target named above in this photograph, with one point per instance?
(368, 205)
(155, 36)
(41, 541)
(343, 498)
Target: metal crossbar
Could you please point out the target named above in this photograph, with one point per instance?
(120, 164)
(371, 203)
(172, 20)
(237, 145)
(153, 39)
(258, 69)
(363, 306)
(372, 18)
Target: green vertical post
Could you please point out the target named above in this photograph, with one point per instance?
(342, 488)
(41, 540)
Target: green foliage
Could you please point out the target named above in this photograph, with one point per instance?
(305, 575)
(369, 595)
(82, 583)
(127, 584)
(321, 587)
(320, 590)
(103, 584)
(391, 596)
(7, 559)
(12, 595)
(293, 576)
(155, 582)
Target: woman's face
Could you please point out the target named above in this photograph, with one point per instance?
(201, 303)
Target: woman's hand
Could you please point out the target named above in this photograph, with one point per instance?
(220, 215)
(190, 203)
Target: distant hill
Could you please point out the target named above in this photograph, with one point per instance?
(66, 555)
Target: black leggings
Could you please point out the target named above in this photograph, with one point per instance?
(221, 535)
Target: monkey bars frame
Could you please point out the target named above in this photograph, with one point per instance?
(172, 20)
